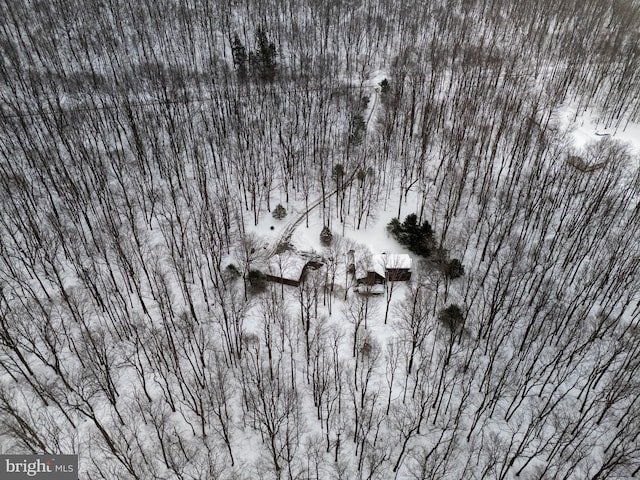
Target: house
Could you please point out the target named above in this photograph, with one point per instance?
(397, 266)
(382, 268)
(289, 269)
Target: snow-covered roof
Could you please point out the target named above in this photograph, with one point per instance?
(381, 263)
(378, 265)
(287, 266)
(387, 261)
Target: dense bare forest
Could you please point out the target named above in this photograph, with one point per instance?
(141, 140)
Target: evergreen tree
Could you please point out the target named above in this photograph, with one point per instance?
(279, 212)
(257, 281)
(415, 236)
(326, 236)
(454, 269)
(239, 54)
(357, 129)
(452, 318)
(263, 60)
(394, 228)
(384, 87)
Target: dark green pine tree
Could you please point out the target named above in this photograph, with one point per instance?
(239, 54)
(395, 228)
(263, 60)
(417, 237)
(454, 269)
(452, 318)
(279, 212)
(326, 236)
(384, 87)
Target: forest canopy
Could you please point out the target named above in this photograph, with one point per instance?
(146, 148)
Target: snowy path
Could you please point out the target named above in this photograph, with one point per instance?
(285, 238)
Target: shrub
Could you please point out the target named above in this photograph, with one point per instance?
(454, 269)
(257, 281)
(279, 212)
(452, 318)
(337, 172)
(232, 272)
(326, 236)
(384, 86)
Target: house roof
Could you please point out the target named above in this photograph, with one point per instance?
(386, 261)
(381, 263)
(378, 265)
(288, 266)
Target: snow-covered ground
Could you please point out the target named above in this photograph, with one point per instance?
(586, 126)
(375, 236)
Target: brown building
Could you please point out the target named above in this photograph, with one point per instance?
(394, 267)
